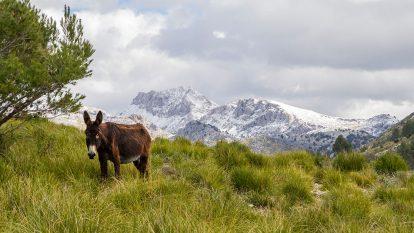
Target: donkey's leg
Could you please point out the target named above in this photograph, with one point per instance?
(117, 167)
(142, 166)
(116, 161)
(104, 167)
(136, 164)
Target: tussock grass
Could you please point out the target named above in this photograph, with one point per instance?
(330, 178)
(48, 184)
(297, 187)
(350, 161)
(247, 179)
(390, 163)
(299, 159)
(347, 201)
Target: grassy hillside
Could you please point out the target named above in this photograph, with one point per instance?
(387, 143)
(47, 184)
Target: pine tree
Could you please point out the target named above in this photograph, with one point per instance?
(395, 136)
(408, 129)
(38, 61)
(342, 145)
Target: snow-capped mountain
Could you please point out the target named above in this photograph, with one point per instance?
(265, 125)
(170, 109)
(247, 118)
(258, 122)
(255, 120)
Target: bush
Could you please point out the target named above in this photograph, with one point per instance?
(350, 161)
(230, 155)
(178, 148)
(235, 154)
(296, 187)
(249, 179)
(204, 173)
(408, 129)
(341, 145)
(395, 135)
(349, 202)
(363, 179)
(297, 191)
(401, 200)
(390, 163)
(301, 159)
(257, 160)
(329, 178)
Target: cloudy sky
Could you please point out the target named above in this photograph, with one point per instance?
(349, 58)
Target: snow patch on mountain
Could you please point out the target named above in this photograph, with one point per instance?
(265, 125)
(170, 109)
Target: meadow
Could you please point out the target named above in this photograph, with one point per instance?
(48, 184)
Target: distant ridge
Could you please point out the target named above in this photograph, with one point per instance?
(265, 125)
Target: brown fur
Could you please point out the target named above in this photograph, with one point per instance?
(119, 144)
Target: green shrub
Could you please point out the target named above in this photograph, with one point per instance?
(204, 173)
(349, 202)
(401, 200)
(408, 129)
(296, 187)
(229, 155)
(235, 154)
(257, 160)
(341, 145)
(363, 179)
(249, 179)
(321, 160)
(310, 220)
(329, 178)
(390, 163)
(179, 148)
(300, 159)
(350, 161)
(297, 192)
(394, 194)
(161, 146)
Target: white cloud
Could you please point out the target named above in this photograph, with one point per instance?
(370, 108)
(219, 34)
(346, 58)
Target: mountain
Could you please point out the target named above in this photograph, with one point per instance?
(264, 125)
(199, 131)
(256, 120)
(170, 109)
(393, 140)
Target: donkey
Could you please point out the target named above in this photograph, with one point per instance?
(121, 144)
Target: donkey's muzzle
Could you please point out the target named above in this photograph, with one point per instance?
(91, 151)
(91, 155)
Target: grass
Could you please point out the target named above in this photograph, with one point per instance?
(247, 179)
(350, 161)
(390, 163)
(350, 202)
(47, 184)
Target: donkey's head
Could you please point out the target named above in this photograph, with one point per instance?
(93, 133)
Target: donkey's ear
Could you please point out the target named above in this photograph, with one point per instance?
(99, 118)
(87, 118)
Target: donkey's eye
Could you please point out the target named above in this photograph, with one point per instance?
(97, 136)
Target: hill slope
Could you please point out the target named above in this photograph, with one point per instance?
(386, 143)
(47, 184)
